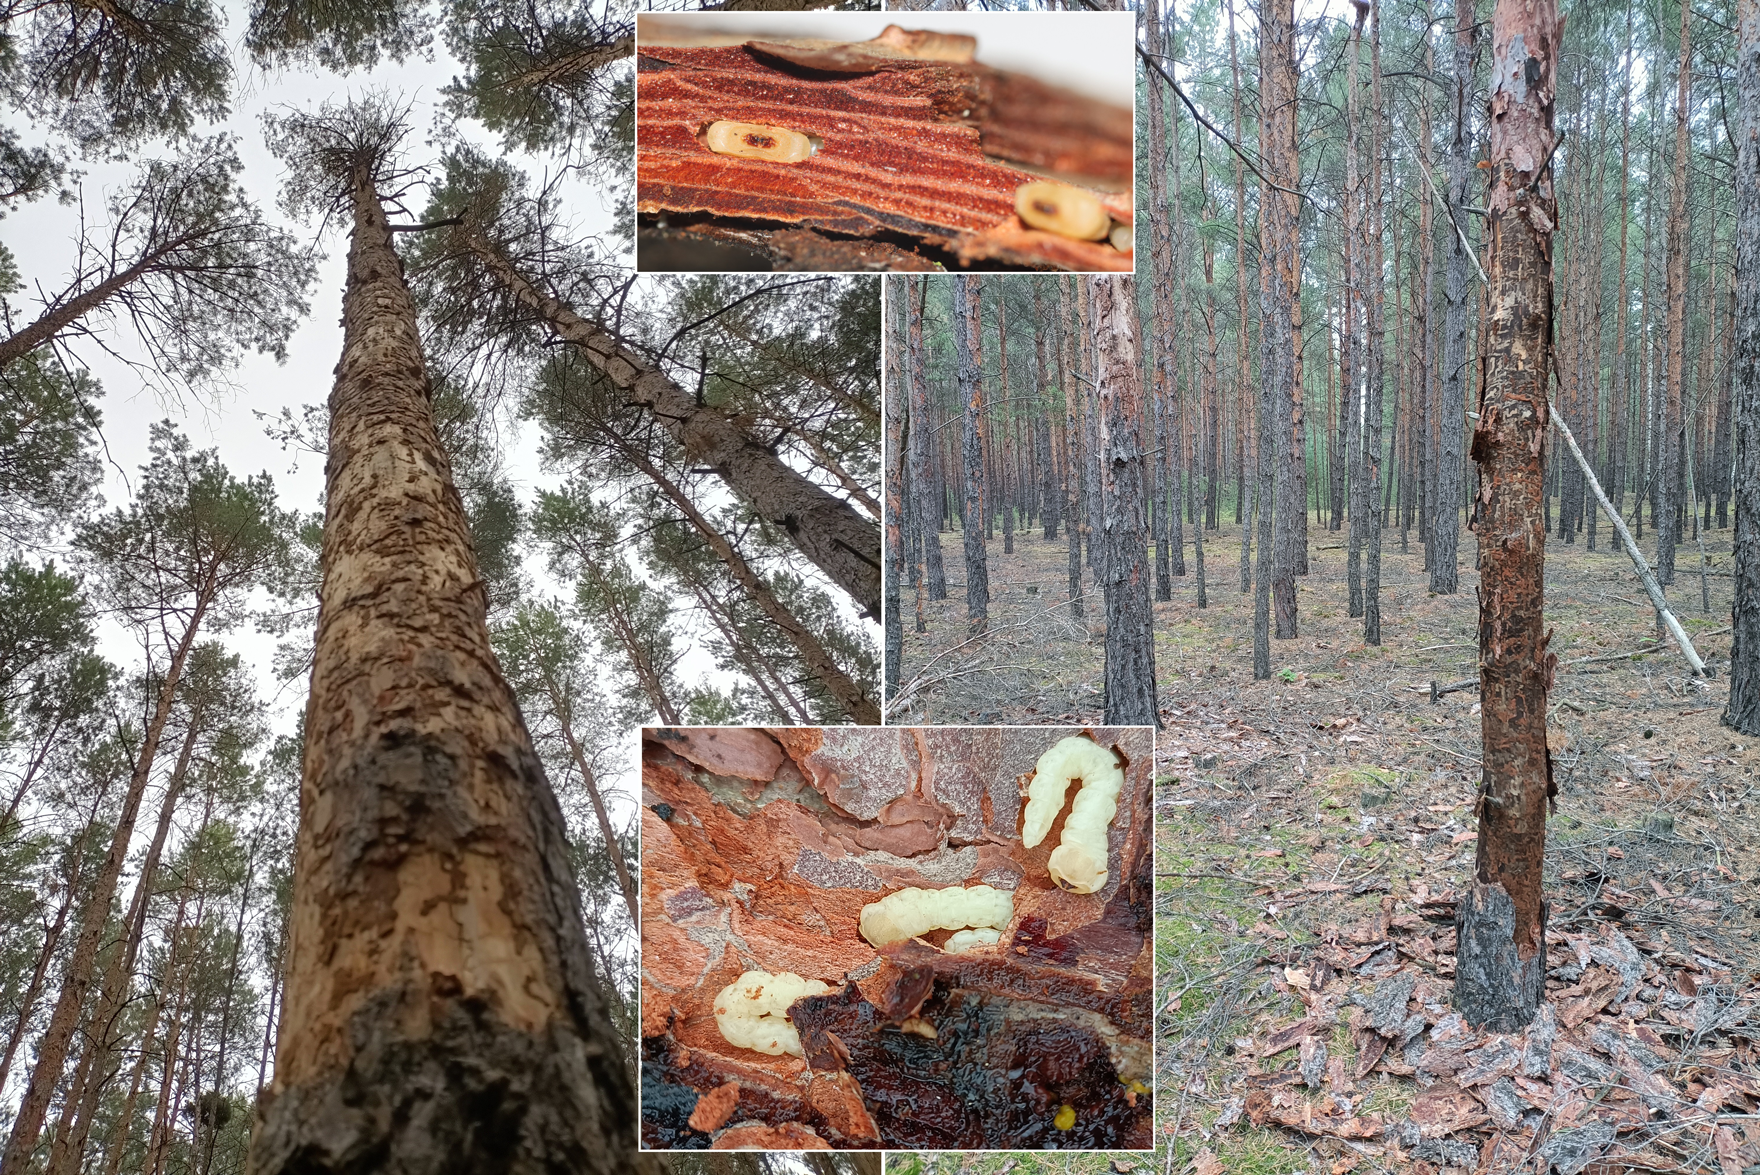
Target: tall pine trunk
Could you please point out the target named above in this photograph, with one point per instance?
(1743, 712)
(441, 1008)
(1445, 526)
(1501, 923)
(1130, 635)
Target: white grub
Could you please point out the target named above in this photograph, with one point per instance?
(919, 1026)
(752, 140)
(752, 1011)
(1061, 209)
(911, 912)
(1121, 237)
(964, 940)
(1079, 862)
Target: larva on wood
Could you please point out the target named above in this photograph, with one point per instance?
(965, 940)
(751, 140)
(1078, 863)
(1061, 209)
(911, 912)
(752, 1011)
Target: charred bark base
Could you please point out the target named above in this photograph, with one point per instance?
(474, 1097)
(1494, 987)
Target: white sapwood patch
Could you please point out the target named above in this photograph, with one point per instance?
(752, 1011)
(911, 912)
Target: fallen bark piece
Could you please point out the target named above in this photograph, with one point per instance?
(715, 1108)
(895, 143)
(1569, 1151)
(790, 1136)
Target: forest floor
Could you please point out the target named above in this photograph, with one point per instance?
(1315, 828)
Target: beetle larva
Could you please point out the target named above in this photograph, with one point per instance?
(911, 912)
(752, 140)
(1121, 237)
(1078, 863)
(752, 1011)
(1061, 209)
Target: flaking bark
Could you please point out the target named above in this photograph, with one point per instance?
(1502, 919)
(1743, 712)
(442, 1012)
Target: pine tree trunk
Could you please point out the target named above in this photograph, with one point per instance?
(829, 532)
(967, 338)
(1280, 349)
(1501, 924)
(1375, 338)
(1669, 498)
(929, 495)
(441, 1008)
(94, 914)
(1130, 634)
(1074, 463)
(895, 443)
(1445, 527)
(1743, 712)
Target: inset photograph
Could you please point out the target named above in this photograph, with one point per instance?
(840, 141)
(922, 938)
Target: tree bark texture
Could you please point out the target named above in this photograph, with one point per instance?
(967, 337)
(1743, 712)
(1502, 917)
(1451, 424)
(927, 491)
(1130, 633)
(829, 532)
(895, 444)
(1669, 497)
(1280, 297)
(441, 1007)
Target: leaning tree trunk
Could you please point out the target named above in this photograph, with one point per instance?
(442, 1011)
(829, 532)
(1744, 669)
(1501, 962)
(1130, 633)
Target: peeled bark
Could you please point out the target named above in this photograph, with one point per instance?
(829, 532)
(1502, 919)
(441, 1008)
(1130, 635)
(1743, 712)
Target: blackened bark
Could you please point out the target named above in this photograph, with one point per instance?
(442, 1011)
(967, 338)
(1130, 635)
(1502, 918)
(1743, 712)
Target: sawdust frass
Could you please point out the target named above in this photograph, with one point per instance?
(760, 849)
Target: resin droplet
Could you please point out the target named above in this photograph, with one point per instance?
(1061, 209)
(751, 140)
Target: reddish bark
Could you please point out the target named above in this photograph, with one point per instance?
(1502, 921)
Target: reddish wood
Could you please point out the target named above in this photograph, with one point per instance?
(905, 147)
